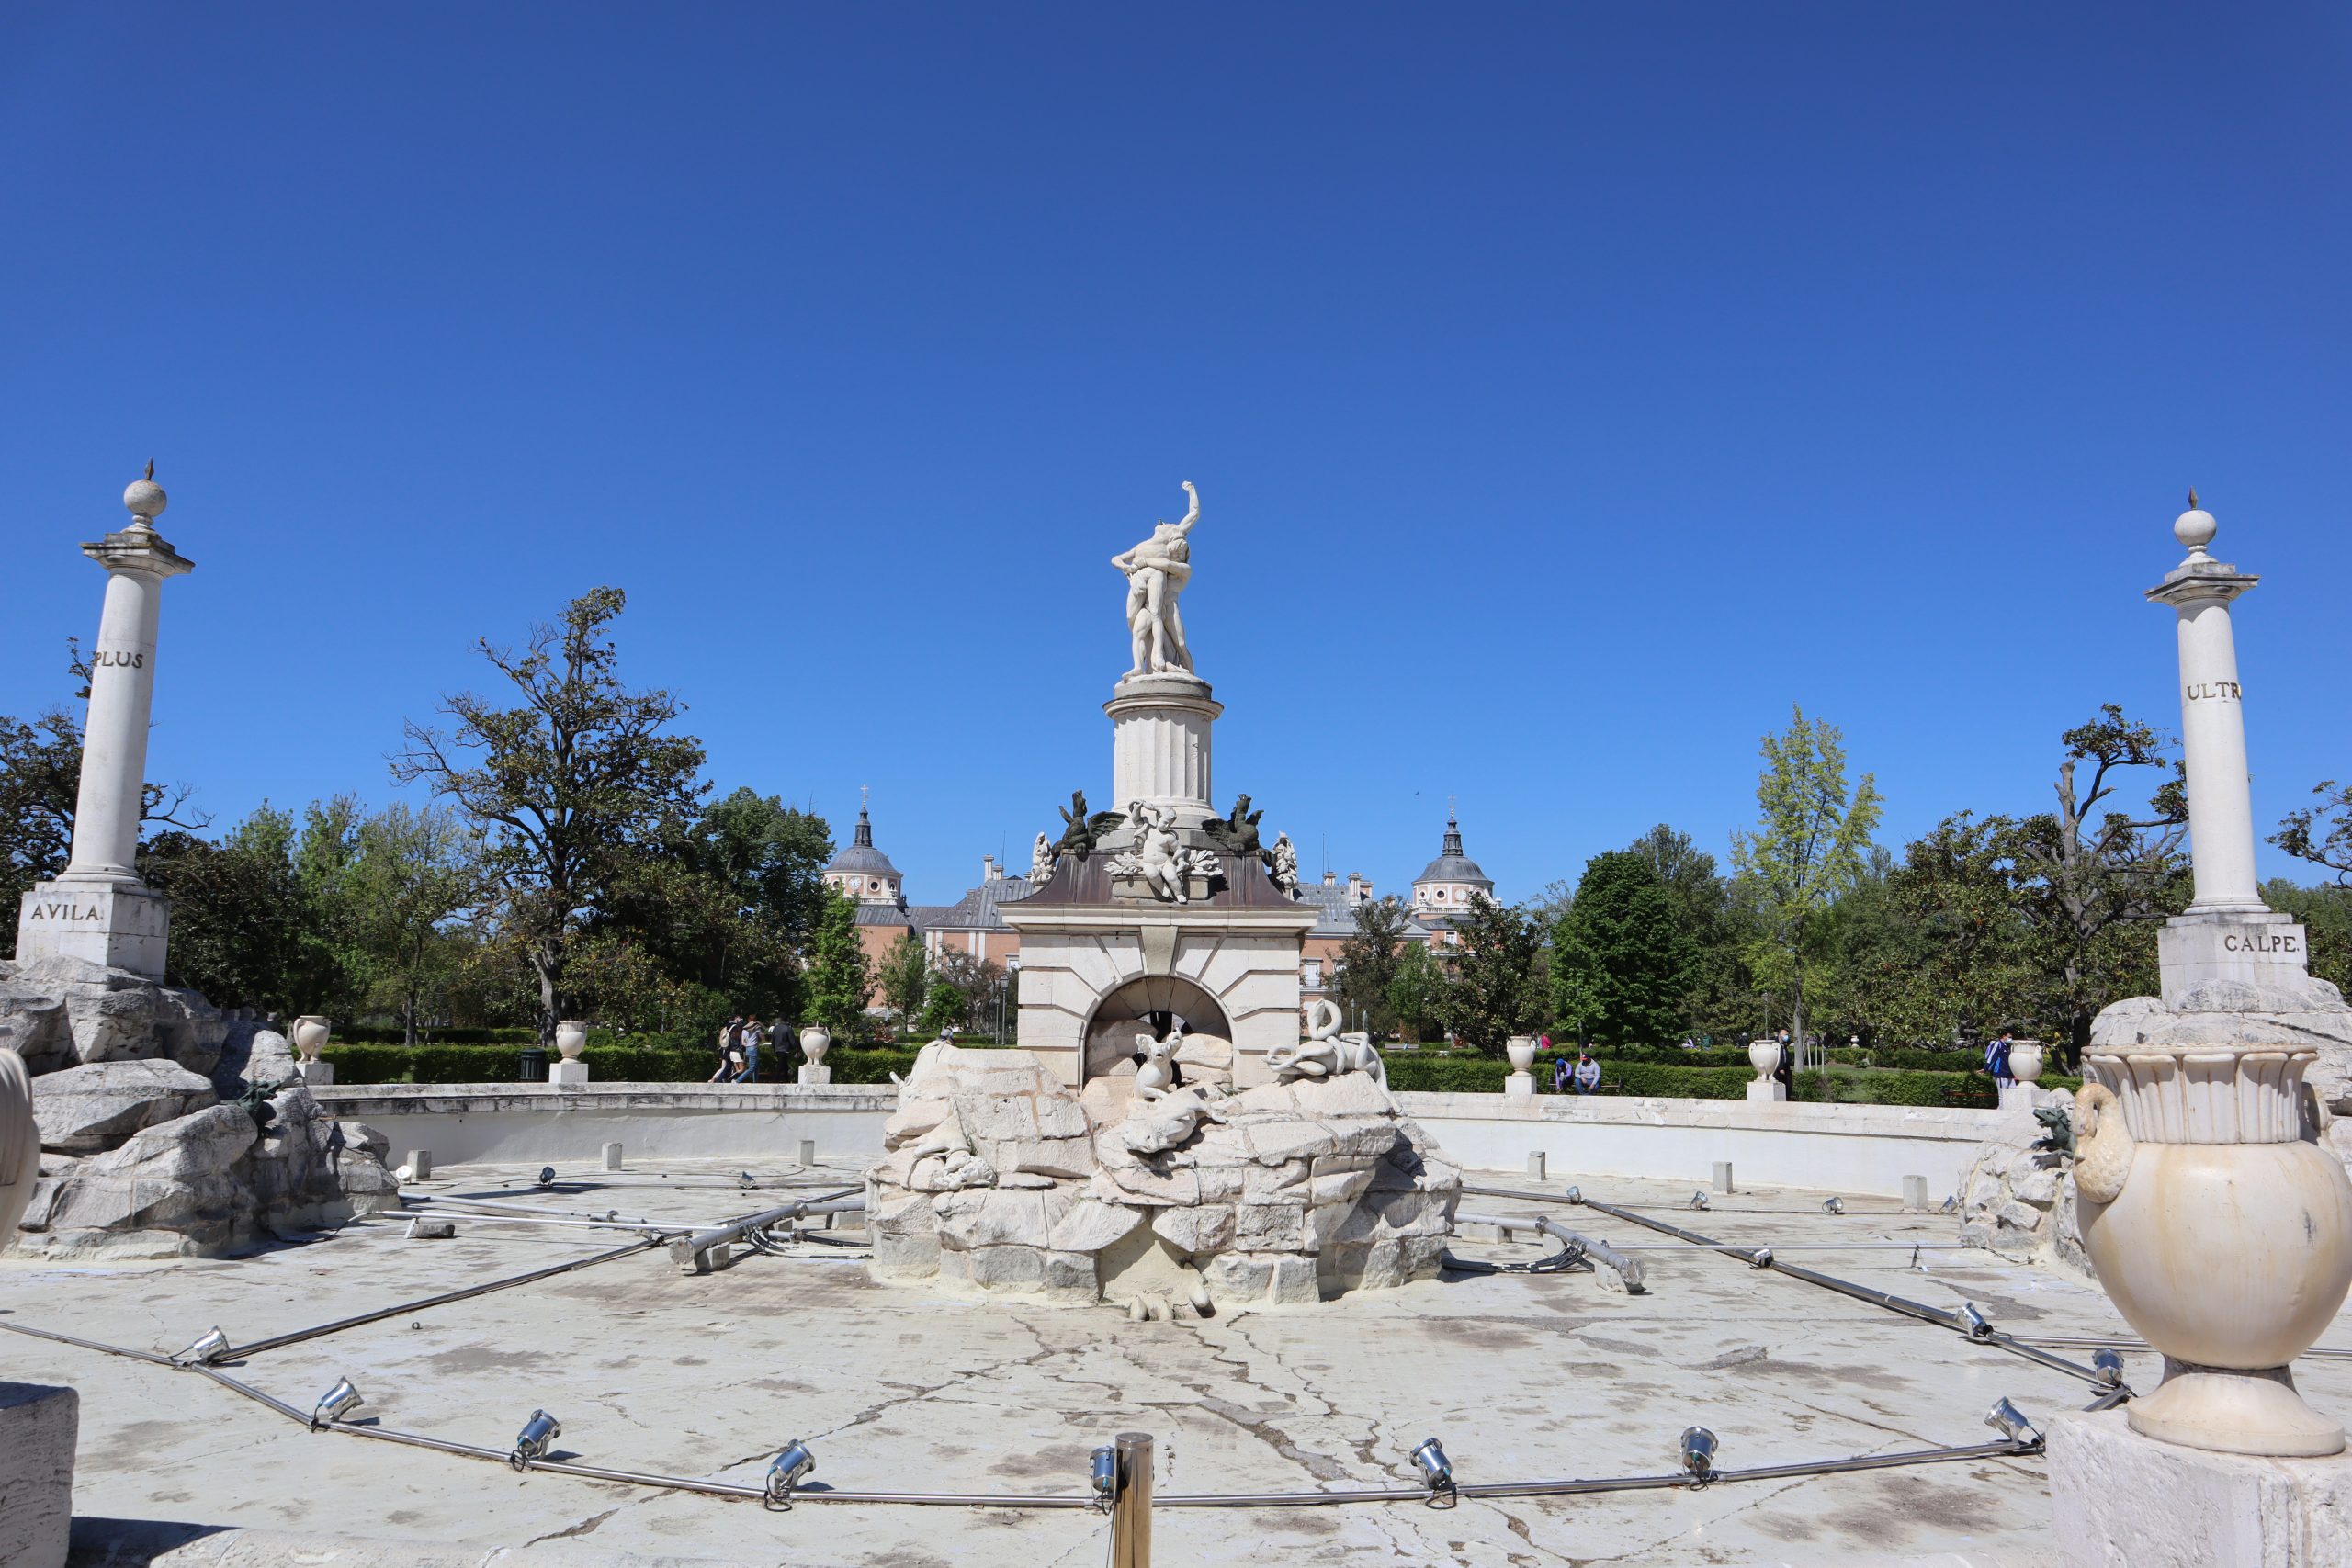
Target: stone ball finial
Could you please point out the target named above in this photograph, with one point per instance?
(2195, 526)
(143, 498)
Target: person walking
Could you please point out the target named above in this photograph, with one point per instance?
(730, 1041)
(1996, 1060)
(753, 1038)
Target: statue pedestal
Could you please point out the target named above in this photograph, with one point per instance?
(123, 925)
(2258, 948)
(316, 1074)
(1767, 1091)
(39, 1424)
(809, 1074)
(2120, 1500)
(567, 1075)
(1520, 1084)
(1160, 744)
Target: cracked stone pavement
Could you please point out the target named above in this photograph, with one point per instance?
(894, 1388)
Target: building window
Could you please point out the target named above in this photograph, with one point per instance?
(1314, 976)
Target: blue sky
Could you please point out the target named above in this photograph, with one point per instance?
(1570, 390)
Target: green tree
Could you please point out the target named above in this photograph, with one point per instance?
(413, 878)
(1497, 982)
(1417, 992)
(945, 1007)
(839, 978)
(2326, 912)
(240, 917)
(1623, 963)
(1805, 852)
(1723, 997)
(1368, 962)
(980, 987)
(2321, 834)
(906, 977)
(570, 789)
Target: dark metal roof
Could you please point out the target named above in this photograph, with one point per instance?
(1452, 864)
(861, 856)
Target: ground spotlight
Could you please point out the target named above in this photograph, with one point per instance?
(1576, 1195)
(2007, 1420)
(340, 1401)
(787, 1470)
(1833, 1205)
(210, 1348)
(1761, 1258)
(1952, 1203)
(531, 1444)
(2109, 1366)
(547, 1176)
(1976, 1325)
(746, 1180)
(1103, 1476)
(1698, 1453)
(1698, 1200)
(1437, 1471)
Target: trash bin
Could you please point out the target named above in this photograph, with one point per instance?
(534, 1068)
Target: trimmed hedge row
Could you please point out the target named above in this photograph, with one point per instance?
(618, 1063)
(389, 1034)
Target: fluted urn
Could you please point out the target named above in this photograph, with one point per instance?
(2220, 1227)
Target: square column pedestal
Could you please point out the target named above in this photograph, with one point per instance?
(123, 925)
(39, 1424)
(571, 1074)
(2120, 1500)
(809, 1074)
(1766, 1091)
(2258, 948)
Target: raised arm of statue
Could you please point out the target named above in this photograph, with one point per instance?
(1194, 515)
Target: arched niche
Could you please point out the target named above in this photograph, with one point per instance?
(1154, 1004)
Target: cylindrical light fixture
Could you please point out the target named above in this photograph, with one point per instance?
(531, 1444)
(339, 1401)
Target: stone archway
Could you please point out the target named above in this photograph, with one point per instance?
(1155, 1003)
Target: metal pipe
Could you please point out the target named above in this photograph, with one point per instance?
(514, 1220)
(1629, 1270)
(1131, 1503)
(1762, 1257)
(538, 1211)
(687, 1251)
(240, 1352)
(148, 1356)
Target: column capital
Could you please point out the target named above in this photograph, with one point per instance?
(2201, 580)
(138, 548)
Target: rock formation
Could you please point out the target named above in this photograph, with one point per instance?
(999, 1179)
(167, 1128)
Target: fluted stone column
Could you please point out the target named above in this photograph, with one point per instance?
(1160, 743)
(99, 910)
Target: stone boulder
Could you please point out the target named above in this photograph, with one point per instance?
(62, 1012)
(166, 1192)
(91, 1109)
(252, 1057)
(2018, 1202)
(998, 1178)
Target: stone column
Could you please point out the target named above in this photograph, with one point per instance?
(2228, 933)
(99, 910)
(1160, 744)
(2212, 718)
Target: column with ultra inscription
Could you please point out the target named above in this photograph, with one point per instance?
(2228, 933)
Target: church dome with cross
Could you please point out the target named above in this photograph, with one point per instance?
(1447, 882)
(862, 871)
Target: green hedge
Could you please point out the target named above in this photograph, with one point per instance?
(1619, 1075)
(621, 1062)
(389, 1034)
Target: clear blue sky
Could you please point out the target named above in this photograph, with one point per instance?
(1571, 388)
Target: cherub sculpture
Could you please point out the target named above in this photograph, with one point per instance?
(1041, 863)
(1158, 860)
